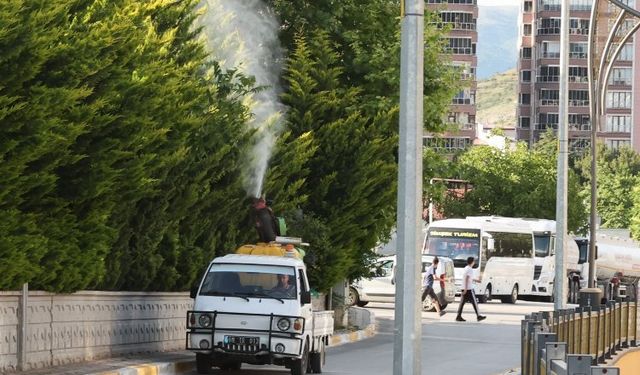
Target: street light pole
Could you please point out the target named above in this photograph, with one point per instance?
(559, 291)
(407, 326)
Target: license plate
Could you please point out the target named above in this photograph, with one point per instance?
(241, 340)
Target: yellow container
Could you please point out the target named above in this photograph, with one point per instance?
(272, 249)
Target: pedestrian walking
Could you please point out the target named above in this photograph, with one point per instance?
(427, 284)
(467, 291)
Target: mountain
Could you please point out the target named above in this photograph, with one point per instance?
(497, 39)
(497, 99)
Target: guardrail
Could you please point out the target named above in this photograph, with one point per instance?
(575, 341)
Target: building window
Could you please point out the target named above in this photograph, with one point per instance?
(626, 54)
(579, 122)
(550, 50)
(579, 26)
(447, 145)
(549, 26)
(525, 123)
(549, 97)
(458, 20)
(526, 52)
(580, 5)
(549, 73)
(620, 76)
(617, 143)
(460, 46)
(527, 29)
(577, 50)
(528, 6)
(619, 100)
(550, 5)
(547, 121)
(578, 98)
(526, 76)
(578, 74)
(619, 124)
(525, 99)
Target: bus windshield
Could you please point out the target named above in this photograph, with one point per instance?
(457, 244)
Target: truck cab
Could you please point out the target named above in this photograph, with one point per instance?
(255, 307)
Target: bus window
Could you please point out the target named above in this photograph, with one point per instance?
(457, 244)
(511, 245)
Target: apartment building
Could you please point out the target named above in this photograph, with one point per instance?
(460, 17)
(539, 74)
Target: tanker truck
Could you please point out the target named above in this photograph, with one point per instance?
(617, 264)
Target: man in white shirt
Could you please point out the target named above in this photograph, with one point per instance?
(467, 291)
(427, 284)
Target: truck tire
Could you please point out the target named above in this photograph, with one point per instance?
(203, 363)
(513, 297)
(353, 298)
(316, 360)
(300, 366)
(486, 297)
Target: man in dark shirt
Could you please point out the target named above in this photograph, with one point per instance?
(427, 283)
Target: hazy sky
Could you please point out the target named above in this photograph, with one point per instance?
(498, 2)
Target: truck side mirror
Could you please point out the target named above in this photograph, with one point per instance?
(305, 297)
(194, 292)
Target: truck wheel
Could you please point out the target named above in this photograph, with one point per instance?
(513, 297)
(428, 304)
(300, 366)
(353, 298)
(203, 363)
(316, 360)
(486, 297)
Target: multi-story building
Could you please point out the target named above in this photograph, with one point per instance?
(539, 74)
(460, 17)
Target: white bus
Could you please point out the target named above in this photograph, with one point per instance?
(514, 256)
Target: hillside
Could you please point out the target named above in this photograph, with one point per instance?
(497, 99)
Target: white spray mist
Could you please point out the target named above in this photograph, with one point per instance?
(243, 35)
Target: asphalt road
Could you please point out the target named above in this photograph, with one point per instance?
(448, 347)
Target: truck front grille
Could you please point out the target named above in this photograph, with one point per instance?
(239, 348)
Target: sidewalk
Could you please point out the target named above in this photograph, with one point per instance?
(167, 363)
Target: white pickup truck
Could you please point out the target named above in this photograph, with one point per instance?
(256, 309)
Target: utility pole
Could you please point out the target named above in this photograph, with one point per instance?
(559, 293)
(407, 326)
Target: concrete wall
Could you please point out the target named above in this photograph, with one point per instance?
(88, 325)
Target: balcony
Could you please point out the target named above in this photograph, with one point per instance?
(462, 101)
(459, 50)
(550, 102)
(546, 79)
(460, 25)
(579, 127)
(579, 102)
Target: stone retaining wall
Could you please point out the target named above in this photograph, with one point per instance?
(88, 325)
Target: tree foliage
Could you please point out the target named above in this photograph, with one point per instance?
(121, 140)
(516, 183)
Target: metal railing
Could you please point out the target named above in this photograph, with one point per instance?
(575, 341)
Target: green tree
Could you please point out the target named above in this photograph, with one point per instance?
(618, 171)
(515, 183)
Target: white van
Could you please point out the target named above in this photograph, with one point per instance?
(380, 287)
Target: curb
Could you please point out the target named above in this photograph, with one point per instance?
(184, 366)
(160, 368)
(349, 337)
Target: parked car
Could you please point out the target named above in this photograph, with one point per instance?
(380, 287)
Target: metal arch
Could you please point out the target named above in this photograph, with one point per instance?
(612, 61)
(597, 93)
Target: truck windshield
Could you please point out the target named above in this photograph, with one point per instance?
(259, 281)
(457, 244)
(542, 244)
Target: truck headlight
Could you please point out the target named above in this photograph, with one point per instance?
(279, 348)
(204, 344)
(284, 324)
(297, 324)
(204, 320)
